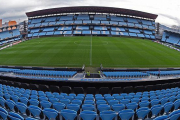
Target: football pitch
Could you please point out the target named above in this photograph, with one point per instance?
(115, 52)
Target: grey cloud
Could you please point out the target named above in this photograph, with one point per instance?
(177, 20)
(16, 9)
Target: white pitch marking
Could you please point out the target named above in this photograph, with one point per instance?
(91, 52)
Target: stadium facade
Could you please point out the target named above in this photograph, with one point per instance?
(102, 21)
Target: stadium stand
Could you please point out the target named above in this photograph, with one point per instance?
(165, 73)
(96, 23)
(125, 74)
(118, 76)
(170, 37)
(23, 102)
(40, 72)
(9, 36)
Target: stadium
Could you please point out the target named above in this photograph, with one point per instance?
(89, 63)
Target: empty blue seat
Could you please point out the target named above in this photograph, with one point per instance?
(45, 104)
(50, 113)
(35, 111)
(91, 95)
(126, 114)
(178, 96)
(144, 104)
(135, 100)
(34, 102)
(164, 100)
(65, 101)
(89, 102)
(29, 118)
(98, 102)
(7, 96)
(88, 115)
(79, 102)
(74, 107)
(3, 113)
(142, 112)
(69, 97)
(21, 107)
(99, 98)
(112, 102)
(114, 95)
(43, 98)
(132, 105)
(59, 106)
(34, 97)
(155, 102)
(79, 98)
(10, 104)
(15, 98)
(146, 98)
(23, 100)
(125, 101)
(174, 116)
(2, 101)
(119, 97)
(167, 107)
(15, 116)
(129, 97)
(81, 95)
(109, 98)
(52, 100)
(88, 107)
(164, 117)
(108, 115)
(153, 97)
(103, 107)
(172, 98)
(89, 98)
(177, 104)
(156, 109)
(118, 107)
(68, 114)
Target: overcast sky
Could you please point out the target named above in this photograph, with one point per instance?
(168, 10)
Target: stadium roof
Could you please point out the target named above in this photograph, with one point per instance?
(172, 31)
(91, 9)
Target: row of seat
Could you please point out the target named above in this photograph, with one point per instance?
(47, 99)
(9, 41)
(175, 115)
(125, 74)
(109, 80)
(89, 32)
(111, 23)
(90, 90)
(9, 34)
(141, 74)
(87, 28)
(90, 17)
(42, 78)
(43, 99)
(165, 73)
(39, 72)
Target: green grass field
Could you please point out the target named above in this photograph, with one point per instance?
(92, 51)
